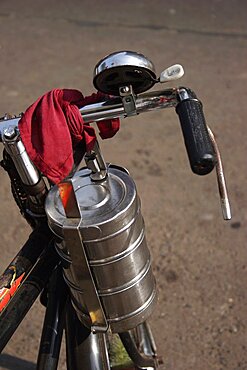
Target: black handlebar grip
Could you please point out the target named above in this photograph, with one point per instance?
(196, 137)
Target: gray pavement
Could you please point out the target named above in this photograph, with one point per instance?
(199, 260)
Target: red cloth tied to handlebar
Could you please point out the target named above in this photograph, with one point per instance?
(52, 127)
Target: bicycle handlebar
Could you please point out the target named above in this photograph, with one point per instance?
(114, 107)
(188, 107)
(196, 136)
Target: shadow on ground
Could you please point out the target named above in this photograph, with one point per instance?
(9, 362)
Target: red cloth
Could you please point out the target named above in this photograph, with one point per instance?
(53, 126)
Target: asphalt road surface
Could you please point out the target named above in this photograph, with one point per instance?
(200, 261)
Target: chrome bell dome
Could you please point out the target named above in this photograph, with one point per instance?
(124, 68)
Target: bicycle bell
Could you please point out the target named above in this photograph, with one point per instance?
(124, 68)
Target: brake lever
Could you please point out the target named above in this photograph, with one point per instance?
(225, 204)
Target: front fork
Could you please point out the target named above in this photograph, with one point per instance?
(85, 350)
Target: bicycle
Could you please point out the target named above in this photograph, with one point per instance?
(87, 256)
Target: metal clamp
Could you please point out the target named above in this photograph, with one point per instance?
(95, 162)
(128, 99)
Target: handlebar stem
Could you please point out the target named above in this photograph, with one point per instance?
(15, 147)
(32, 181)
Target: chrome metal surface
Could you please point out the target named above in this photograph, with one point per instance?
(124, 68)
(96, 346)
(225, 204)
(113, 108)
(82, 277)
(128, 99)
(123, 58)
(95, 162)
(15, 147)
(112, 231)
(68, 198)
(6, 123)
(85, 350)
(145, 340)
(10, 132)
(156, 100)
(183, 93)
(140, 360)
(144, 103)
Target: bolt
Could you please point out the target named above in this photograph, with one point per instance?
(125, 89)
(10, 133)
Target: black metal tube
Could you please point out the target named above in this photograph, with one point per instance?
(24, 261)
(50, 343)
(27, 293)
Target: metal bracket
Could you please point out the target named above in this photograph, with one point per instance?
(68, 198)
(81, 270)
(95, 162)
(83, 276)
(128, 99)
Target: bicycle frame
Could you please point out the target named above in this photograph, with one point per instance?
(37, 267)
